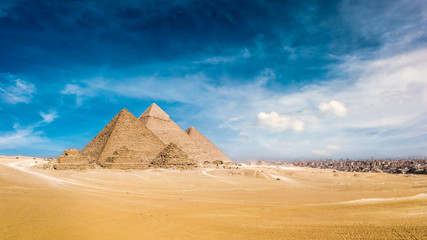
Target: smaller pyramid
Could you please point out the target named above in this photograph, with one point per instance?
(207, 145)
(123, 140)
(173, 157)
(71, 159)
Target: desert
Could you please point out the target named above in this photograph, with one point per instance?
(208, 203)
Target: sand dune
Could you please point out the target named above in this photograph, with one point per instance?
(208, 204)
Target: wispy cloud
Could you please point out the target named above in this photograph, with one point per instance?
(27, 136)
(20, 137)
(86, 90)
(15, 90)
(49, 117)
(245, 53)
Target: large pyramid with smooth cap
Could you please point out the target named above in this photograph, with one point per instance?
(155, 119)
(207, 145)
(123, 135)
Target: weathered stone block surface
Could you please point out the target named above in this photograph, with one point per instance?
(216, 154)
(173, 157)
(72, 156)
(72, 166)
(124, 166)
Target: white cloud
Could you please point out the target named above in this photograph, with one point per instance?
(333, 147)
(321, 152)
(27, 136)
(93, 88)
(278, 123)
(49, 117)
(330, 149)
(334, 108)
(20, 137)
(244, 134)
(14, 90)
(243, 53)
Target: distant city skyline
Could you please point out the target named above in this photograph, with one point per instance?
(261, 79)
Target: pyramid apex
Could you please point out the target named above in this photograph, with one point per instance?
(191, 130)
(125, 112)
(156, 112)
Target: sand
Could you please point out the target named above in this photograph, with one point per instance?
(208, 204)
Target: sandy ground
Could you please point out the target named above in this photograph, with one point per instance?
(208, 204)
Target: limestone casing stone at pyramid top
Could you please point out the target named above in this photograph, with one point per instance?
(207, 145)
(155, 111)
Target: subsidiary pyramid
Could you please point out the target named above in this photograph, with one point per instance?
(207, 145)
(155, 119)
(124, 140)
(173, 157)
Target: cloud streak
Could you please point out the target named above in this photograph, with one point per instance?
(14, 90)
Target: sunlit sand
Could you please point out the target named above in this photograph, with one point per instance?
(208, 203)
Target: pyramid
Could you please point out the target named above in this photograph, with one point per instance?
(155, 119)
(207, 145)
(124, 140)
(71, 159)
(173, 157)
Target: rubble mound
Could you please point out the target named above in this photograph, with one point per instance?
(250, 173)
(173, 157)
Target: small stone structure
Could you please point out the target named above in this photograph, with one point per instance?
(72, 159)
(173, 157)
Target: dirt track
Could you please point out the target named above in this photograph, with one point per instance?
(209, 204)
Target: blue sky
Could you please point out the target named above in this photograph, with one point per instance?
(273, 80)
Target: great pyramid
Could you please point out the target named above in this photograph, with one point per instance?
(155, 119)
(207, 145)
(124, 140)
